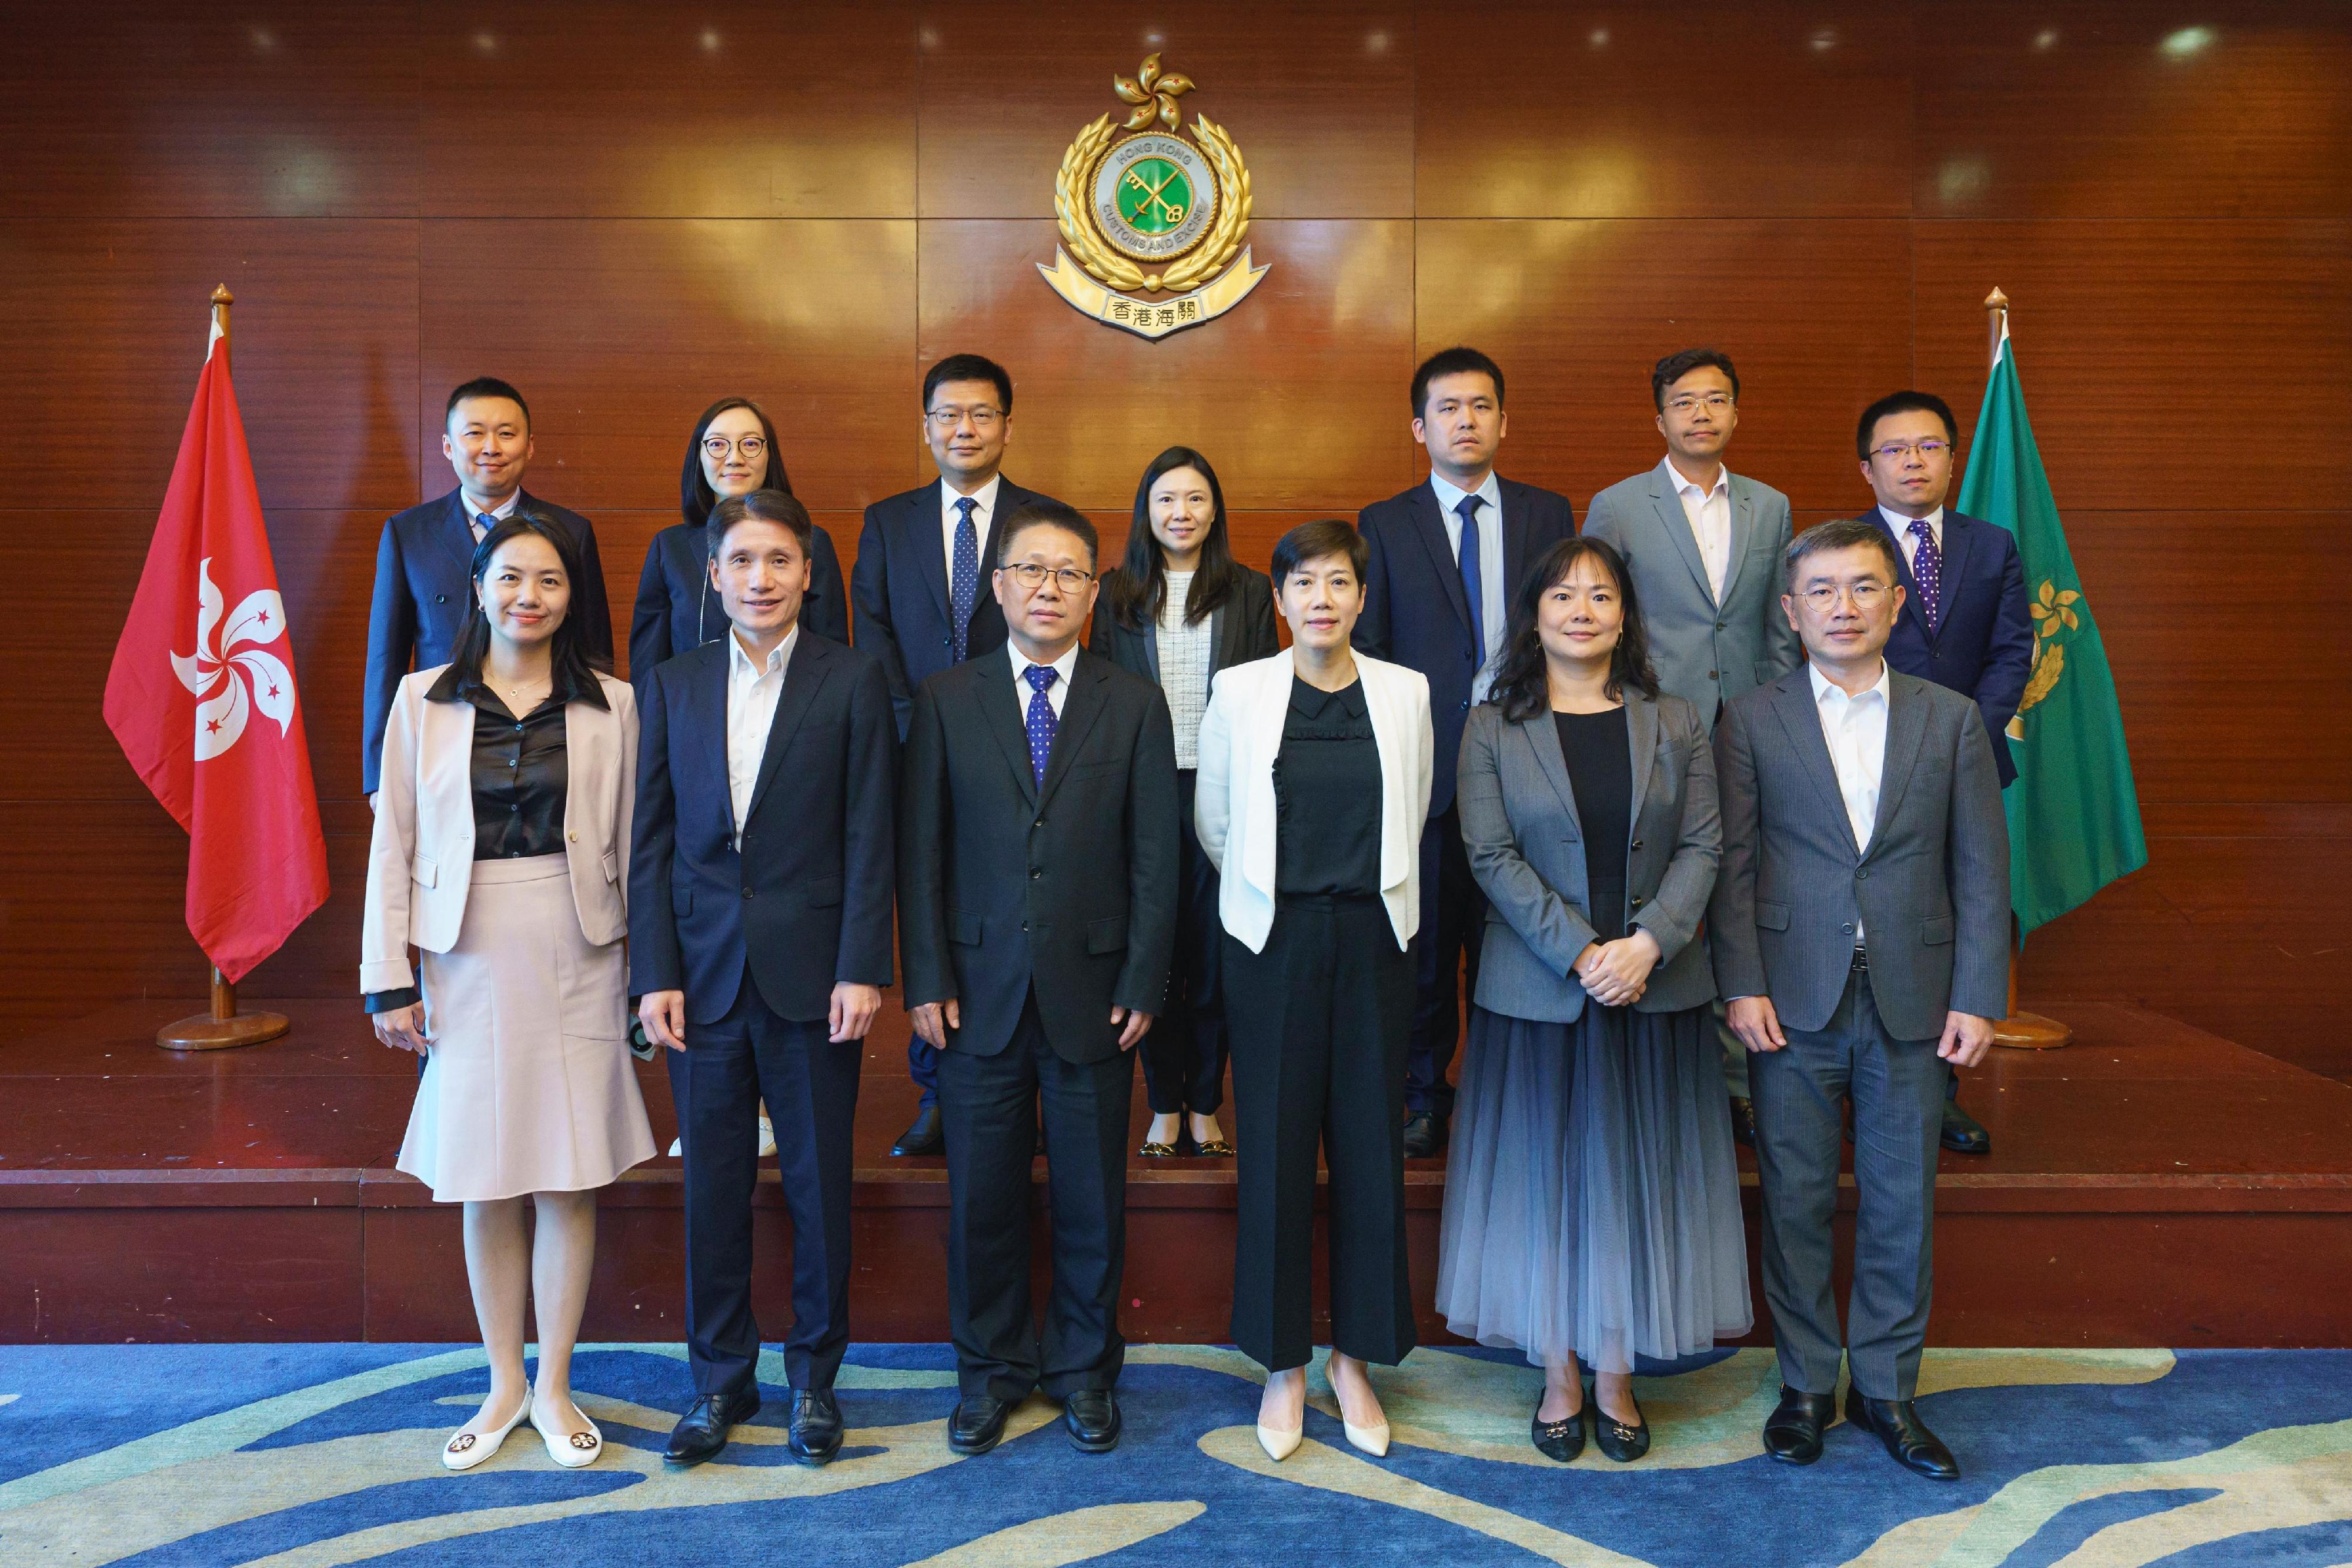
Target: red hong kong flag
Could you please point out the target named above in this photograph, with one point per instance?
(202, 695)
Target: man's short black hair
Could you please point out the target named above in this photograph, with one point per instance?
(969, 368)
(781, 508)
(1843, 534)
(1455, 362)
(1675, 367)
(1313, 541)
(1042, 514)
(1904, 402)
(485, 386)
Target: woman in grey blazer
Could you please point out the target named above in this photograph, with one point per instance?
(1591, 1200)
(1178, 608)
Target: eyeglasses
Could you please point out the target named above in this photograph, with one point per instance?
(983, 418)
(1031, 576)
(750, 446)
(1714, 402)
(1865, 597)
(1896, 451)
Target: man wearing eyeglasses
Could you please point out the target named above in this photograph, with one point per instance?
(1037, 873)
(1704, 546)
(1964, 623)
(921, 591)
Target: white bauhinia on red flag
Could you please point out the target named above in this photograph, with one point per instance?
(202, 695)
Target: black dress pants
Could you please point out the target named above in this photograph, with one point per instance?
(1184, 1054)
(988, 1109)
(1321, 1021)
(810, 1084)
(1453, 923)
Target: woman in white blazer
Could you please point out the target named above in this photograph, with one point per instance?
(1314, 784)
(501, 850)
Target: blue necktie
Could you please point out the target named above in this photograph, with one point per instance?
(963, 580)
(1041, 678)
(1927, 568)
(483, 524)
(1473, 585)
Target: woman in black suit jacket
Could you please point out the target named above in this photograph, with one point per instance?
(733, 452)
(1176, 610)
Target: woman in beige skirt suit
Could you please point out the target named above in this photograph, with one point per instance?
(501, 850)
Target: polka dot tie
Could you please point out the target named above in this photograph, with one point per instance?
(1927, 569)
(1041, 679)
(963, 580)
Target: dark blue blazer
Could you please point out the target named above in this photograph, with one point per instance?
(1415, 612)
(1983, 644)
(901, 585)
(424, 567)
(677, 609)
(807, 899)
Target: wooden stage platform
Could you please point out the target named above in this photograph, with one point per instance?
(2152, 1185)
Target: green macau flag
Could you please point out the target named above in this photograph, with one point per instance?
(2074, 814)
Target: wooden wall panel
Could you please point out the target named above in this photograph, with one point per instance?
(1535, 110)
(1816, 316)
(556, 108)
(1318, 98)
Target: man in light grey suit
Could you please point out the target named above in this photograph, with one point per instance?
(1860, 928)
(1705, 546)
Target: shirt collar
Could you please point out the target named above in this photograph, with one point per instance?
(1449, 495)
(1020, 662)
(498, 513)
(1899, 525)
(1822, 685)
(1679, 484)
(739, 662)
(985, 496)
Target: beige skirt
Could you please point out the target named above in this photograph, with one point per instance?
(527, 1086)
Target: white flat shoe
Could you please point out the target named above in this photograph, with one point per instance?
(575, 1450)
(1373, 1440)
(1279, 1445)
(466, 1449)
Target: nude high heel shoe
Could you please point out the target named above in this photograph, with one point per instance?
(1280, 1445)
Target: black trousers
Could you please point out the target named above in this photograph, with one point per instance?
(989, 1108)
(1320, 1022)
(1453, 921)
(1184, 1054)
(811, 1086)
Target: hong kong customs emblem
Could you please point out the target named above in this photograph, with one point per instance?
(1150, 214)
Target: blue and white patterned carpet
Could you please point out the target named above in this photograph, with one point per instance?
(315, 1455)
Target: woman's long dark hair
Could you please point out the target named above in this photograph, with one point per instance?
(694, 495)
(1523, 680)
(1139, 589)
(574, 676)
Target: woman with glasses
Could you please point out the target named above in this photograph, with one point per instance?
(1591, 1200)
(733, 452)
(1177, 610)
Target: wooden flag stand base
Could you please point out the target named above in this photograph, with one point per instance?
(2027, 1031)
(223, 1028)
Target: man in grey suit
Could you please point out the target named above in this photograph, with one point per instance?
(1860, 927)
(1705, 546)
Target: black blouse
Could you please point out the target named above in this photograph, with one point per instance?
(1326, 792)
(1599, 750)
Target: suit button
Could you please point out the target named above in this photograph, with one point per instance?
(747, 892)
(573, 837)
(1637, 843)
(1848, 930)
(1637, 903)
(1710, 675)
(1465, 705)
(1862, 876)
(1024, 926)
(1037, 824)
(1035, 871)
(440, 598)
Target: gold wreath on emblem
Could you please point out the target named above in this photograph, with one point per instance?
(1154, 94)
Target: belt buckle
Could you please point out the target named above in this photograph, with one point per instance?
(1861, 958)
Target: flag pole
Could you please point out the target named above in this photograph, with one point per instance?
(223, 1028)
(2018, 1031)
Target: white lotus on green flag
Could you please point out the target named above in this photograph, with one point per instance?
(2073, 813)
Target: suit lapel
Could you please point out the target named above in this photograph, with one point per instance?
(457, 531)
(1516, 523)
(1802, 721)
(1677, 525)
(1001, 707)
(1959, 537)
(1911, 612)
(1217, 623)
(803, 675)
(1641, 740)
(1431, 525)
(1743, 531)
(1084, 704)
(1907, 730)
(707, 696)
(1541, 734)
(921, 522)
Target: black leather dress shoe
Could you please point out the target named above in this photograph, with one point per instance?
(1963, 1134)
(702, 1431)
(1424, 1134)
(1793, 1433)
(1906, 1437)
(924, 1137)
(1091, 1417)
(1621, 1443)
(815, 1426)
(978, 1423)
(1562, 1439)
(1743, 1119)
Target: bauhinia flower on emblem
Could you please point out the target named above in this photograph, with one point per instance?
(1153, 94)
(221, 669)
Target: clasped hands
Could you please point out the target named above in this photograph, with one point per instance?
(1615, 974)
(933, 1019)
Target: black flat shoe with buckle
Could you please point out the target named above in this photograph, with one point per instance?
(1562, 1439)
(1621, 1443)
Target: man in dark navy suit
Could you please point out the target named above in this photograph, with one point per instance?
(1446, 560)
(1964, 623)
(758, 939)
(423, 566)
(920, 584)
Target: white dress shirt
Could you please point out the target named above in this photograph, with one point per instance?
(1908, 541)
(499, 514)
(1855, 729)
(1058, 694)
(1492, 590)
(1709, 515)
(751, 694)
(985, 508)
(1183, 652)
